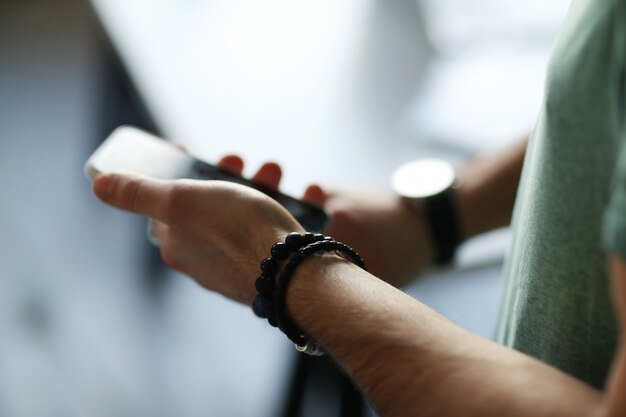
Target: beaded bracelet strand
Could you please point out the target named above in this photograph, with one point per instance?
(270, 303)
(302, 341)
(263, 303)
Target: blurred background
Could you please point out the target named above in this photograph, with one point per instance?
(91, 324)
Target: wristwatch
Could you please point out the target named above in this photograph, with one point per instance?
(429, 186)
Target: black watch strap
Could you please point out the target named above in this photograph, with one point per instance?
(441, 214)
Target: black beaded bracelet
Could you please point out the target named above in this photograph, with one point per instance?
(303, 342)
(270, 303)
(263, 303)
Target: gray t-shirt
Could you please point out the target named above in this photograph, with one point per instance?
(557, 302)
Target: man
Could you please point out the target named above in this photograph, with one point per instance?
(569, 220)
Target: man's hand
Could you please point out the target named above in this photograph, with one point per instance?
(213, 231)
(390, 234)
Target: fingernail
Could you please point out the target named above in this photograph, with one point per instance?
(273, 167)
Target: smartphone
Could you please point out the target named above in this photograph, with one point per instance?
(133, 150)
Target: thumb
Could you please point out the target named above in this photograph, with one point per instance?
(134, 193)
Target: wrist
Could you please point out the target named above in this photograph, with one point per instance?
(278, 272)
(468, 216)
(321, 289)
(430, 186)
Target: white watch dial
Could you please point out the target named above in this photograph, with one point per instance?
(423, 178)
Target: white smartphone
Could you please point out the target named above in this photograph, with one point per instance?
(129, 149)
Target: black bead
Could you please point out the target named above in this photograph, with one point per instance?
(294, 241)
(308, 238)
(264, 286)
(279, 251)
(318, 237)
(262, 306)
(328, 238)
(268, 266)
(272, 321)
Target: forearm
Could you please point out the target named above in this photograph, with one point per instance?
(488, 186)
(411, 361)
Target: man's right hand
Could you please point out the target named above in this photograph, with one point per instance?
(390, 234)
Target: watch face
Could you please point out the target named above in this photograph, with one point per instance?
(423, 178)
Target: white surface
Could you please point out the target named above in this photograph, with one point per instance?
(456, 27)
(486, 84)
(481, 101)
(276, 79)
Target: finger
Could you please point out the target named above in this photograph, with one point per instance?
(314, 194)
(133, 193)
(231, 163)
(268, 175)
